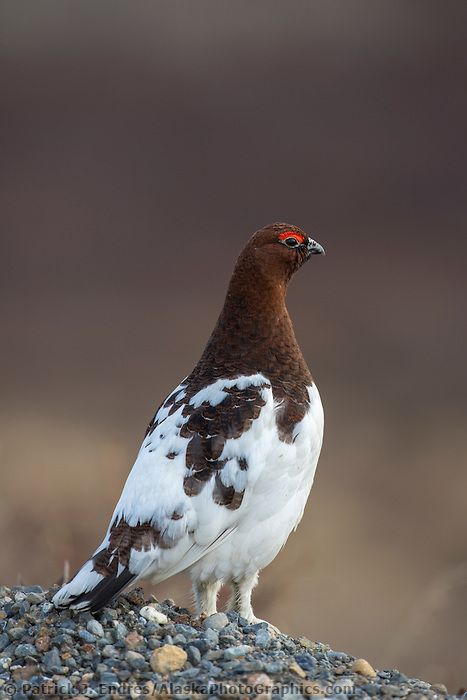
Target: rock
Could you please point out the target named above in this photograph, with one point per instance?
(362, 667)
(35, 598)
(211, 637)
(306, 661)
(135, 660)
(194, 655)
(26, 650)
(109, 651)
(4, 641)
(133, 639)
(236, 652)
(439, 688)
(260, 682)
(298, 670)
(16, 633)
(64, 686)
(95, 628)
(149, 612)
(5, 663)
(42, 644)
(167, 659)
(109, 678)
(263, 638)
(305, 642)
(87, 637)
(216, 622)
(52, 660)
(214, 654)
(120, 630)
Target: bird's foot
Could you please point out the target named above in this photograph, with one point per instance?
(256, 621)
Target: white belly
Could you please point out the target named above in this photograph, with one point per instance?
(274, 505)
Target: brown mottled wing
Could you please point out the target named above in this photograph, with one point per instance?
(208, 428)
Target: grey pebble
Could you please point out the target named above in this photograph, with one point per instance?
(274, 667)
(52, 660)
(86, 637)
(16, 632)
(214, 654)
(263, 638)
(186, 630)
(35, 598)
(254, 629)
(120, 631)
(4, 641)
(194, 655)
(135, 660)
(216, 622)
(26, 650)
(236, 652)
(95, 628)
(306, 661)
(212, 637)
(371, 689)
(67, 624)
(109, 678)
(109, 651)
(63, 638)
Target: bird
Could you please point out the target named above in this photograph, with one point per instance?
(228, 460)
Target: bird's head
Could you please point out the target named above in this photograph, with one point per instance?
(278, 250)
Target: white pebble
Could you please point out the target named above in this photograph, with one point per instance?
(149, 612)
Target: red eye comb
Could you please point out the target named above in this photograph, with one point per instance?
(292, 234)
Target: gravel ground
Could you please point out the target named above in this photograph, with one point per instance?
(142, 648)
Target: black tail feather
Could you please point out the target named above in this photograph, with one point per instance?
(104, 593)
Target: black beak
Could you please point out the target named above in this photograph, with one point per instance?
(314, 248)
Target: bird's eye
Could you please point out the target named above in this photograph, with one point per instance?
(291, 242)
(292, 239)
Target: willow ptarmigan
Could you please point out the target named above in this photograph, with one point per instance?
(228, 460)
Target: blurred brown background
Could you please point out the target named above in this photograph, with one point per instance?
(141, 144)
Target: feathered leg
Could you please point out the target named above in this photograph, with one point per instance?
(240, 600)
(206, 596)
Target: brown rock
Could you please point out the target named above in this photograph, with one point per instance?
(24, 673)
(305, 642)
(42, 643)
(133, 639)
(439, 688)
(260, 681)
(86, 678)
(167, 659)
(298, 670)
(362, 667)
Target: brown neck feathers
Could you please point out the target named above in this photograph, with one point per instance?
(254, 332)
